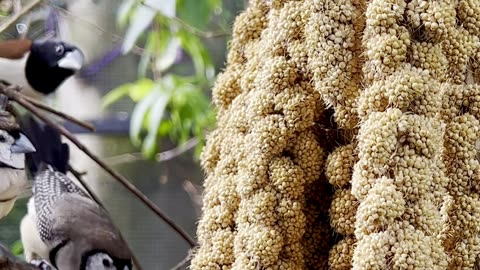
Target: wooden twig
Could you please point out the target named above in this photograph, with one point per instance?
(67, 117)
(183, 262)
(194, 194)
(190, 28)
(12, 19)
(177, 151)
(160, 157)
(12, 93)
(135, 260)
(78, 175)
(115, 38)
(75, 172)
(92, 194)
(17, 6)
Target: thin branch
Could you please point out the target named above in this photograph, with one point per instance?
(78, 175)
(135, 260)
(17, 6)
(160, 157)
(12, 93)
(198, 32)
(75, 172)
(60, 114)
(194, 194)
(123, 158)
(115, 38)
(90, 192)
(12, 19)
(190, 28)
(177, 151)
(137, 49)
(184, 261)
(156, 73)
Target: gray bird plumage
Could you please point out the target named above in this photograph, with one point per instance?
(49, 187)
(13, 179)
(33, 246)
(78, 233)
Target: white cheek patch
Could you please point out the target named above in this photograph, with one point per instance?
(16, 161)
(8, 158)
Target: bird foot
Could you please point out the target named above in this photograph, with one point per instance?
(42, 264)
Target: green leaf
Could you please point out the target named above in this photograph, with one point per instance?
(17, 248)
(139, 114)
(165, 128)
(199, 148)
(150, 147)
(150, 46)
(194, 12)
(163, 36)
(156, 115)
(124, 11)
(140, 89)
(141, 19)
(167, 58)
(166, 7)
(215, 4)
(200, 57)
(116, 94)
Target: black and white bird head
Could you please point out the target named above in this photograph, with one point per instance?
(50, 63)
(102, 261)
(13, 147)
(39, 67)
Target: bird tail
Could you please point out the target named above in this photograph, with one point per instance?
(49, 147)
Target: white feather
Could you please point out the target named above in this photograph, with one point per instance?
(13, 71)
(34, 248)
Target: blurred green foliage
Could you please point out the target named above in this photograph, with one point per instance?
(17, 248)
(170, 102)
(9, 227)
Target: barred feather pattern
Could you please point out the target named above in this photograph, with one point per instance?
(48, 187)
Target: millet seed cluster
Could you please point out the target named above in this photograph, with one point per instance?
(347, 138)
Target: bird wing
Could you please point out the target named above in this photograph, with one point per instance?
(80, 226)
(49, 186)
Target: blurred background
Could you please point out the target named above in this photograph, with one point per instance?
(147, 88)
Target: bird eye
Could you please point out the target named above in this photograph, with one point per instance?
(106, 263)
(2, 139)
(59, 49)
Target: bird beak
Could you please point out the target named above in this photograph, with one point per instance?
(22, 145)
(72, 60)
